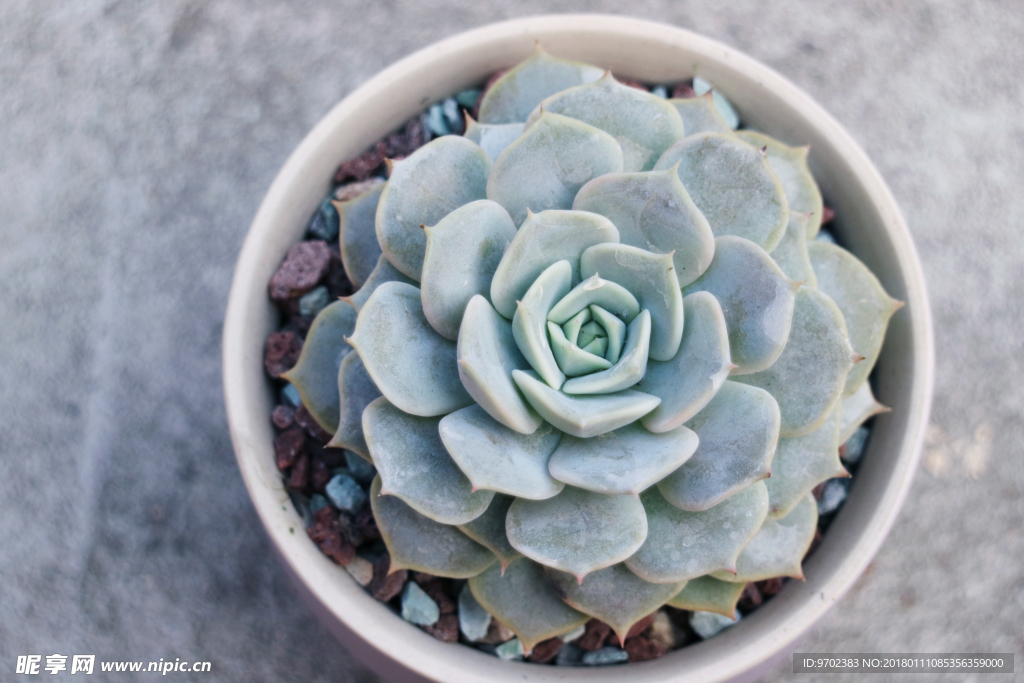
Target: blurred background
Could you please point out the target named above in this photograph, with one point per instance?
(136, 142)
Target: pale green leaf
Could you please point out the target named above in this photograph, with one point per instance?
(426, 186)
(410, 363)
(683, 545)
(497, 458)
(643, 124)
(790, 165)
(779, 547)
(544, 239)
(463, 251)
(488, 354)
(421, 544)
(577, 531)
(356, 390)
(756, 298)
(415, 466)
(808, 378)
(357, 234)
(529, 324)
(516, 93)
(628, 460)
(652, 211)
(732, 184)
(686, 383)
(584, 416)
(859, 295)
(738, 431)
(547, 165)
(614, 595)
(708, 594)
(315, 374)
(524, 601)
(652, 280)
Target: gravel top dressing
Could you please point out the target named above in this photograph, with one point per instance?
(330, 486)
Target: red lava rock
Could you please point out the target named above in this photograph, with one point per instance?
(397, 144)
(545, 650)
(749, 599)
(490, 81)
(334, 457)
(817, 490)
(641, 649)
(446, 628)
(385, 586)
(298, 479)
(366, 525)
(305, 264)
(319, 474)
(291, 310)
(312, 427)
(287, 447)
(337, 282)
(438, 591)
(326, 532)
(827, 214)
(842, 450)
(770, 587)
(597, 632)
(281, 352)
(357, 189)
(283, 416)
(683, 90)
(363, 166)
(632, 84)
(634, 630)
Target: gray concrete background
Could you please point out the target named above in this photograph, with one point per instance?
(136, 140)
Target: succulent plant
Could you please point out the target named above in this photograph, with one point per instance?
(588, 332)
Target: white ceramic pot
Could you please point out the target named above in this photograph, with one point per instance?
(868, 223)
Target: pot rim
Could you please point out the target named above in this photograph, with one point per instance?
(401, 651)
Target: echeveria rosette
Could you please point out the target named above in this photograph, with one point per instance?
(588, 333)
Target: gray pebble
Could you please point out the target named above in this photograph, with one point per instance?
(833, 495)
(855, 445)
(569, 655)
(418, 607)
(660, 91)
(574, 634)
(290, 395)
(361, 470)
(316, 502)
(324, 224)
(345, 493)
(723, 105)
(314, 301)
(663, 630)
(825, 236)
(707, 624)
(511, 650)
(361, 570)
(606, 655)
(436, 122)
(468, 98)
(452, 115)
(474, 620)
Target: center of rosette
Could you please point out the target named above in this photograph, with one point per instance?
(595, 334)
